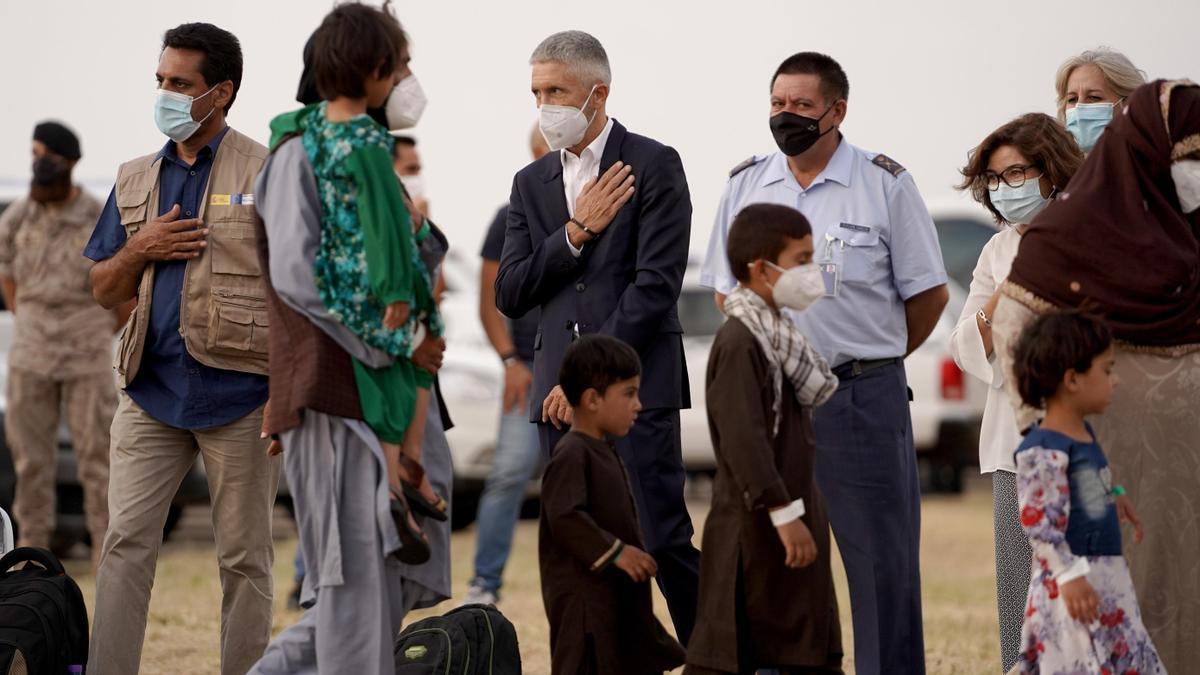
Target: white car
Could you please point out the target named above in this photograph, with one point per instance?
(946, 409)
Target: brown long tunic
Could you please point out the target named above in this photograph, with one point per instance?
(750, 602)
(601, 622)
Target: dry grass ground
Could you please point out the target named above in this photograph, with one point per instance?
(956, 561)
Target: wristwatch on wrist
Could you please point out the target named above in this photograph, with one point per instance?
(509, 358)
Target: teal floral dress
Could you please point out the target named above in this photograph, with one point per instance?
(367, 257)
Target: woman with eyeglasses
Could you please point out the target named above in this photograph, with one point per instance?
(1014, 173)
(1090, 85)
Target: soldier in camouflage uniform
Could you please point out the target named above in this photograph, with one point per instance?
(61, 354)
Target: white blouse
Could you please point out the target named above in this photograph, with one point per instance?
(999, 436)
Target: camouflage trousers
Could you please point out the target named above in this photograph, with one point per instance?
(35, 403)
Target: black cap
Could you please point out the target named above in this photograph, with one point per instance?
(58, 139)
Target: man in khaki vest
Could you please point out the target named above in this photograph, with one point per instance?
(62, 343)
(177, 233)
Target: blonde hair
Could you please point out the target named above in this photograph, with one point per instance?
(1119, 74)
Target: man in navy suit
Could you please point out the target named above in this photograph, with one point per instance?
(598, 255)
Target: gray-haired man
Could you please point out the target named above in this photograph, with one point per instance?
(596, 255)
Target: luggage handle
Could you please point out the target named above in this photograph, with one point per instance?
(40, 556)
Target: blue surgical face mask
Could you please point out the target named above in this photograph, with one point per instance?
(173, 114)
(1086, 122)
(1018, 206)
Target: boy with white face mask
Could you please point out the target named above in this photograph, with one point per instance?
(767, 530)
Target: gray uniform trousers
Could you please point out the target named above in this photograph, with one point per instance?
(867, 472)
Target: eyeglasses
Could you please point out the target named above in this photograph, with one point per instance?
(1013, 176)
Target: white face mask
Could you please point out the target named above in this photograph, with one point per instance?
(1018, 206)
(1186, 174)
(405, 104)
(173, 114)
(562, 125)
(798, 287)
(415, 185)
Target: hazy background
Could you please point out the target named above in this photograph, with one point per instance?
(928, 80)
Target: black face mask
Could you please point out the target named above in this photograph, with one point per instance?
(51, 180)
(796, 133)
(48, 171)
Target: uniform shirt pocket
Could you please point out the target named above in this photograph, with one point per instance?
(861, 255)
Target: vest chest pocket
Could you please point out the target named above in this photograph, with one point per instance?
(237, 326)
(132, 205)
(233, 248)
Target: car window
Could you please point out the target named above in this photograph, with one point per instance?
(698, 313)
(962, 240)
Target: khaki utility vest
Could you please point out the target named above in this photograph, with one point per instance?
(223, 309)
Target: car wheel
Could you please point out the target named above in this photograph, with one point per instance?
(531, 508)
(463, 509)
(174, 514)
(63, 540)
(288, 504)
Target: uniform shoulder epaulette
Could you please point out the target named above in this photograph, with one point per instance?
(750, 161)
(888, 164)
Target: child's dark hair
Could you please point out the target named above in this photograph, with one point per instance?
(761, 232)
(596, 362)
(1053, 344)
(354, 42)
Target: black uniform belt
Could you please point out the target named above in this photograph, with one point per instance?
(852, 369)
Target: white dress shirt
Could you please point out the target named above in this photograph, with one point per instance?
(999, 435)
(577, 171)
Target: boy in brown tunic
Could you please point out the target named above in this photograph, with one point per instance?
(766, 588)
(595, 575)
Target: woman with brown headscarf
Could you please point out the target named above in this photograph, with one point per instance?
(1119, 242)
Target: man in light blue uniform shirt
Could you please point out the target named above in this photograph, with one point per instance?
(885, 290)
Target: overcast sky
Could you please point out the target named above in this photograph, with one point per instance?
(928, 80)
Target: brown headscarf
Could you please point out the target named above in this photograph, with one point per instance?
(1116, 239)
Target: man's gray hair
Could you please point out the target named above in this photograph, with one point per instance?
(582, 54)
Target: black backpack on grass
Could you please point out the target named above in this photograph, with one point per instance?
(470, 640)
(43, 621)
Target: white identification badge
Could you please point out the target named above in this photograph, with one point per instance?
(831, 268)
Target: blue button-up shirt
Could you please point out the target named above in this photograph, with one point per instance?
(875, 226)
(170, 385)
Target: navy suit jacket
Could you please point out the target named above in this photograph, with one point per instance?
(625, 284)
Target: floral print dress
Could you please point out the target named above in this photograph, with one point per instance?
(367, 257)
(355, 280)
(1060, 479)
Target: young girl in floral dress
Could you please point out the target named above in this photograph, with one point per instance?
(1082, 614)
(368, 271)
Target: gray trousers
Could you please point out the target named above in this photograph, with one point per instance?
(1013, 560)
(867, 472)
(357, 588)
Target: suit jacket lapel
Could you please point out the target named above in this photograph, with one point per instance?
(612, 149)
(553, 193)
